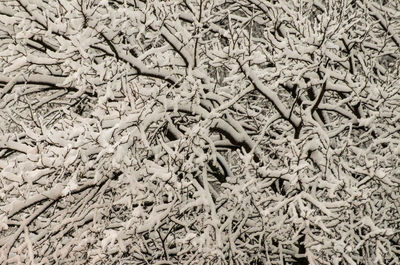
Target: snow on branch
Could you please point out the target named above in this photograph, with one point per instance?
(199, 132)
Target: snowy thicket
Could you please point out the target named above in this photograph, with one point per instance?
(200, 132)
